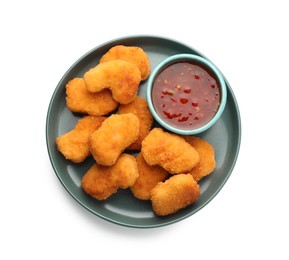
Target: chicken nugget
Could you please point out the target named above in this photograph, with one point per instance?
(100, 182)
(207, 161)
(116, 133)
(149, 177)
(176, 193)
(170, 151)
(139, 107)
(121, 77)
(74, 145)
(80, 100)
(133, 54)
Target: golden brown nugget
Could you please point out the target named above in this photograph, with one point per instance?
(176, 193)
(74, 145)
(133, 54)
(100, 182)
(80, 100)
(207, 161)
(149, 177)
(121, 77)
(116, 133)
(170, 151)
(139, 107)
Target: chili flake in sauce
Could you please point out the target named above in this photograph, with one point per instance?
(185, 95)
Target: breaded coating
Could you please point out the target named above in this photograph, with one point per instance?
(80, 100)
(121, 77)
(139, 107)
(74, 145)
(149, 177)
(207, 161)
(170, 151)
(116, 133)
(133, 54)
(100, 182)
(176, 193)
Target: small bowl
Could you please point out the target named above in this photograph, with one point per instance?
(169, 121)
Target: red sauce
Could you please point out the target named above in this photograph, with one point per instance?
(185, 95)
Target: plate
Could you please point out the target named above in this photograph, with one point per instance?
(122, 208)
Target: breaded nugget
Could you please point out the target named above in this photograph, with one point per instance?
(170, 151)
(100, 182)
(139, 107)
(74, 145)
(133, 54)
(116, 133)
(207, 161)
(176, 193)
(149, 177)
(80, 100)
(121, 77)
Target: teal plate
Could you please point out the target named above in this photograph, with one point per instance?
(122, 208)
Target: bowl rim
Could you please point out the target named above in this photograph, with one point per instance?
(207, 64)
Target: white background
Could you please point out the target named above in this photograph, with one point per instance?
(247, 40)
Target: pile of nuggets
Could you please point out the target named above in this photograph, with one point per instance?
(116, 124)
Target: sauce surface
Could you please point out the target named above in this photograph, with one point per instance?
(185, 95)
